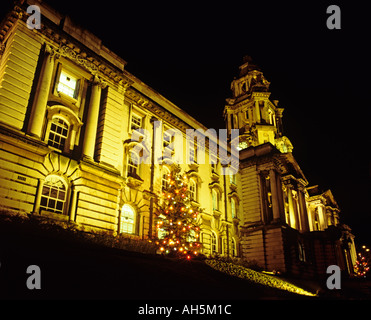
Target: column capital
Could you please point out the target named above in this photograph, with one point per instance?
(97, 81)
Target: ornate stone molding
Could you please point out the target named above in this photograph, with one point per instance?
(159, 111)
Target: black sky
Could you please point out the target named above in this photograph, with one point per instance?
(190, 52)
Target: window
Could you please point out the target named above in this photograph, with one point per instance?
(193, 190)
(58, 134)
(165, 180)
(167, 139)
(127, 221)
(213, 161)
(233, 248)
(213, 243)
(301, 252)
(133, 164)
(68, 84)
(53, 195)
(208, 243)
(136, 122)
(232, 179)
(215, 198)
(192, 151)
(233, 208)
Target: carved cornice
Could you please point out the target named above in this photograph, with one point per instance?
(159, 111)
(60, 44)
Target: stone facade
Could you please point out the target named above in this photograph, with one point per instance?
(69, 120)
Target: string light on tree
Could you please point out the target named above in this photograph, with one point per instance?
(177, 219)
(362, 264)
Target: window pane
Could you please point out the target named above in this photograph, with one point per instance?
(61, 195)
(67, 84)
(51, 204)
(53, 195)
(58, 134)
(136, 122)
(127, 219)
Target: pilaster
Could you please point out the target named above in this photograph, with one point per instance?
(37, 116)
(92, 118)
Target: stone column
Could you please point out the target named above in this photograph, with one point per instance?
(40, 187)
(257, 112)
(280, 197)
(303, 211)
(73, 205)
(275, 203)
(37, 116)
(92, 120)
(291, 206)
(249, 111)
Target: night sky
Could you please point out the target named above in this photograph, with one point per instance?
(190, 52)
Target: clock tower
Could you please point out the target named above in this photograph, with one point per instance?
(250, 110)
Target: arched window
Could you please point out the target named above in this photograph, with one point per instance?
(127, 221)
(193, 190)
(53, 197)
(58, 134)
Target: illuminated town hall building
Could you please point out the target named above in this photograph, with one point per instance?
(68, 114)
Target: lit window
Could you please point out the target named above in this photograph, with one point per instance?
(67, 84)
(133, 164)
(53, 195)
(127, 222)
(136, 122)
(192, 190)
(58, 134)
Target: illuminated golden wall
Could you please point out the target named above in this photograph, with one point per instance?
(68, 111)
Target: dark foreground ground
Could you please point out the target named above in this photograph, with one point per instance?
(78, 270)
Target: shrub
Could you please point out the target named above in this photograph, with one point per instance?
(254, 276)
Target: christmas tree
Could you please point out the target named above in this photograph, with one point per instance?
(178, 232)
(362, 264)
